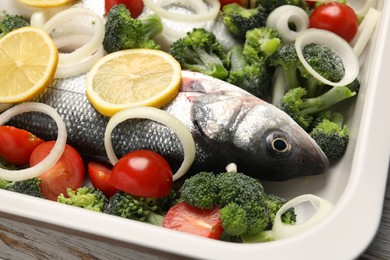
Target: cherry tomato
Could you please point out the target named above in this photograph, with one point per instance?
(243, 3)
(99, 174)
(335, 17)
(17, 144)
(135, 7)
(142, 173)
(68, 172)
(185, 218)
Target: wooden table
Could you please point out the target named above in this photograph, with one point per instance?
(25, 239)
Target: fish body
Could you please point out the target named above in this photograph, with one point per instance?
(228, 125)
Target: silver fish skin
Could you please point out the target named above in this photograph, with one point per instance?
(229, 125)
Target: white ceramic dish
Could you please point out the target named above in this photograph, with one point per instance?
(355, 185)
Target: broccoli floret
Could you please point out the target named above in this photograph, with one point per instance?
(332, 135)
(260, 43)
(287, 58)
(149, 210)
(201, 191)
(28, 187)
(85, 197)
(274, 203)
(11, 22)
(124, 32)
(321, 58)
(238, 20)
(200, 51)
(303, 109)
(256, 78)
(271, 5)
(241, 200)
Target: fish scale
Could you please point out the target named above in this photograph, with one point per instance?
(228, 125)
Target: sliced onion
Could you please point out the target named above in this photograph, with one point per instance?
(365, 31)
(55, 153)
(279, 87)
(231, 167)
(159, 116)
(366, 7)
(281, 230)
(65, 18)
(335, 42)
(70, 70)
(203, 15)
(39, 18)
(283, 16)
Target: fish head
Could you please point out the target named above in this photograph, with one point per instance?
(277, 147)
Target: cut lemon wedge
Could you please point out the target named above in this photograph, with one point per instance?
(46, 3)
(136, 77)
(28, 61)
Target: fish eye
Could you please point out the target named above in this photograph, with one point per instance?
(278, 143)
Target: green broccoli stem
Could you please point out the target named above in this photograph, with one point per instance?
(237, 58)
(326, 100)
(292, 78)
(151, 25)
(262, 236)
(154, 219)
(338, 119)
(212, 65)
(271, 46)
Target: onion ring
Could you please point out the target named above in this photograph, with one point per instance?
(88, 48)
(281, 230)
(54, 155)
(335, 42)
(282, 16)
(159, 116)
(365, 31)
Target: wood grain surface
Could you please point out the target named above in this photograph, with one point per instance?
(25, 239)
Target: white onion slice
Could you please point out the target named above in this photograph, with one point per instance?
(366, 7)
(365, 31)
(282, 16)
(70, 70)
(323, 208)
(231, 167)
(202, 14)
(54, 155)
(39, 18)
(279, 87)
(335, 42)
(159, 116)
(88, 48)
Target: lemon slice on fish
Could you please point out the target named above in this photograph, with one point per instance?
(46, 3)
(135, 77)
(28, 61)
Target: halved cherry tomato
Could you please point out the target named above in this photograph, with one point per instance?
(201, 222)
(16, 145)
(243, 3)
(68, 172)
(99, 174)
(338, 18)
(135, 7)
(142, 173)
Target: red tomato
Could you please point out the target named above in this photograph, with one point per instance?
(68, 172)
(99, 174)
(243, 3)
(142, 173)
(182, 217)
(135, 7)
(17, 144)
(335, 17)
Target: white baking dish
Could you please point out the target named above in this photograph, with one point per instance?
(355, 185)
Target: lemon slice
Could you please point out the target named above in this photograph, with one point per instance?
(28, 61)
(136, 77)
(46, 3)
